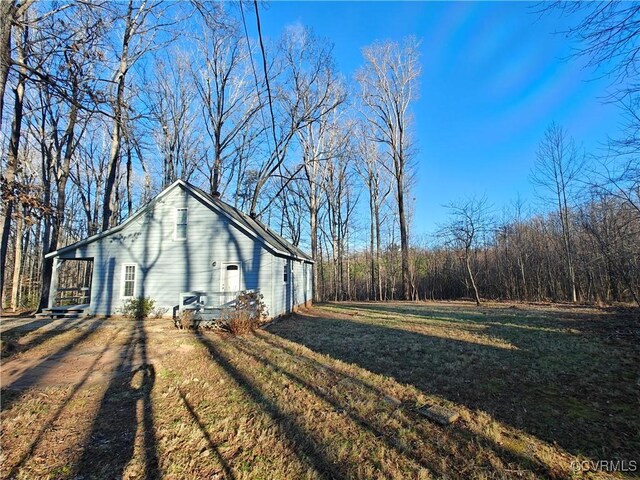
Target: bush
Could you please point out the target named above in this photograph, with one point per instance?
(137, 308)
(250, 310)
(253, 304)
(239, 322)
(158, 312)
(186, 320)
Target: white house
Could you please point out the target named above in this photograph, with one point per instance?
(186, 246)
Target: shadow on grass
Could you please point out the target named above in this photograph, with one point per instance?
(37, 335)
(31, 376)
(44, 427)
(538, 388)
(203, 429)
(456, 444)
(306, 449)
(22, 326)
(111, 442)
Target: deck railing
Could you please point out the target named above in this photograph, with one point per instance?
(72, 296)
(210, 304)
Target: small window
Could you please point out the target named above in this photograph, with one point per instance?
(285, 277)
(129, 281)
(181, 223)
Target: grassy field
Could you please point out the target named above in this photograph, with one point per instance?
(331, 393)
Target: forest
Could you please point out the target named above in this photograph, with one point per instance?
(103, 104)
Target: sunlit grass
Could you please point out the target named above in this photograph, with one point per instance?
(331, 394)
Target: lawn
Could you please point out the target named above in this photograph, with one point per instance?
(330, 393)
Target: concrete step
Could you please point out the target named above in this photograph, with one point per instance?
(58, 314)
(64, 309)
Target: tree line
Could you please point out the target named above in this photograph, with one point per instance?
(106, 103)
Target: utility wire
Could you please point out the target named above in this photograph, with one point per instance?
(253, 68)
(266, 79)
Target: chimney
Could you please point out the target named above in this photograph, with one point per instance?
(216, 195)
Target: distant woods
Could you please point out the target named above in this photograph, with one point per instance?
(106, 103)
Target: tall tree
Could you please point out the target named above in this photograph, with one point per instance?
(140, 25)
(63, 119)
(172, 108)
(320, 143)
(8, 186)
(556, 171)
(302, 95)
(389, 83)
(230, 98)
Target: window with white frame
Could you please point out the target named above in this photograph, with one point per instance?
(128, 281)
(181, 223)
(285, 276)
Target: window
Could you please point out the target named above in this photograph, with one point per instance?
(128, 281)
(285, 277)
(181, 224)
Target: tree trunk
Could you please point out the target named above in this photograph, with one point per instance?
(404, 233)
(12, 157)
(372, 291)
(7, 9)
(118, 126)
(378, 249)
(467, 262)
(17, 264)
(313, 224)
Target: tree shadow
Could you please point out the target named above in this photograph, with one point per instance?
(306, 449)
(538, 388)
(57, 413)
(37, 336)
(459, 441)
(23, 326)
(33, 375)
(203, 429)
(110, 444)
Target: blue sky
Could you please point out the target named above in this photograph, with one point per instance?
(495, 74)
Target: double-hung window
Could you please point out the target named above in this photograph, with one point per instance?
(285, 276)
(128, 281)
(181, 224)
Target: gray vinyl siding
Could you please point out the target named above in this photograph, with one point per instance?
(165, 267)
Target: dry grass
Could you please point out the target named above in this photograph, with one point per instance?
(330, 394)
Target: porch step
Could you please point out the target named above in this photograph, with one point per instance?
(69, 313)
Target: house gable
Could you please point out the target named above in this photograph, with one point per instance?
(134, 226)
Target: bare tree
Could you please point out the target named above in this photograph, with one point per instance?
(11, 16)
(469, 222)
(558, 165)
(172, 108)
(389, 83)
(374, 174)
(230, 98)
(8, 186)
(303, 95)
(141, 24)
(321, 143)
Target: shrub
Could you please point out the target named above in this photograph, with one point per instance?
(186, 320)
(137, 307)
(239, 322)
(253, 304)
(249, 311)
(158, 312)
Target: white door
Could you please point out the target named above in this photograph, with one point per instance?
(231, 279)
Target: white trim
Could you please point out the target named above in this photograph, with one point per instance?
(223, 269)
(123, 280)
(175, 224)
